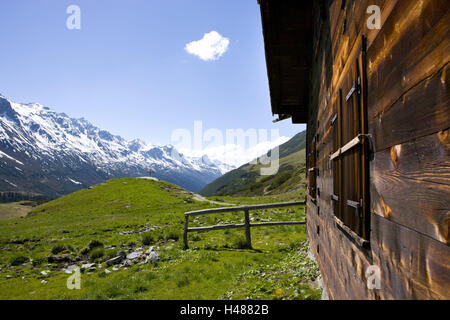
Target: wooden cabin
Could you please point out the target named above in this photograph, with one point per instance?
(376, 104)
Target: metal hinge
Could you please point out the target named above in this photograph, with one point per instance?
(356, 87)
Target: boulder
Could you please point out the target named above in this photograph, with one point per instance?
(63, 258)
(150, 250)
(153, 257)
(88, 266)
(134, 255)
(115, 260)
(69, 269)
(127, 262)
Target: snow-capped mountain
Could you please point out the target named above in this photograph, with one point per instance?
(45, 152)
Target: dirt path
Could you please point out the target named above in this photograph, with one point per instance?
(201, 198)
(197, 196)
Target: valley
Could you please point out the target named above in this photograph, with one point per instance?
(126, 236)
(247, 180)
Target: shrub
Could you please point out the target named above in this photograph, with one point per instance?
(96, 253)
(279, 181)
(255, 186)
(188, 200)
(95, 244)
(148, 239)
(172, 235)
(38, 262)
(111, 253)
(58, 249)
(84, 251)
(18, 260)
(263, 180)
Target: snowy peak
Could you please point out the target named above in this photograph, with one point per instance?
(136, 145)
(51, 142)
(205, 159)
(7, 111)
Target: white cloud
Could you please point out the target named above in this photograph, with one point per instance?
(235, 154)
(211, 47)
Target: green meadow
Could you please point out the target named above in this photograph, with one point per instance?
(133, 215)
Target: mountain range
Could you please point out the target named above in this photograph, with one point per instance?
(44, 152)
(247, 180)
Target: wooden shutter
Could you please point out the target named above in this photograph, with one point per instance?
(312, 176)
(336, 164)
(351, 157)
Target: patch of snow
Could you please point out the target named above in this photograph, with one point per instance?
(74, 181)
(15, 186)
(2, 154)
(149, 178)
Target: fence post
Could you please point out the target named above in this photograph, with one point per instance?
(247, 230)
(185, 236)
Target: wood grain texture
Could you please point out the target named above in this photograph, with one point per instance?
(413, 266)
(423, 110)
(409, 49)
(343, 266)
(414, 175)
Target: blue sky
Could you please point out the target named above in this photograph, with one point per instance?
(127, 71)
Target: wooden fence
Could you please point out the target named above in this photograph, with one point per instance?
(247, 225)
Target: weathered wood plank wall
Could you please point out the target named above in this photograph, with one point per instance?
(408, 111)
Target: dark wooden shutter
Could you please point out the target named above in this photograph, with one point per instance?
(351, 157)
(312, 170)
(337, 163)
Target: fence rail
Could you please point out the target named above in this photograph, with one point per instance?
(247, 225)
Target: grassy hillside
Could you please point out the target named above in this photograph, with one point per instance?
(139, 215)
(247, 180)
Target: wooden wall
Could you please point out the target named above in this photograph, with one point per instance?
(409, 119)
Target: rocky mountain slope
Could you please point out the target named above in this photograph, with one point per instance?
(48, 153)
